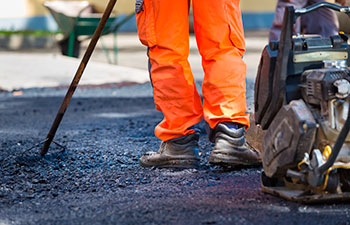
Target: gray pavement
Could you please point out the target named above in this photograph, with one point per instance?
(29, 70)
(48, 68)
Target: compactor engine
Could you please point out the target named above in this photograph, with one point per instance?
(302, 99)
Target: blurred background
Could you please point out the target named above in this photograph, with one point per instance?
(39, 35)
(32, 15)
(32, 19)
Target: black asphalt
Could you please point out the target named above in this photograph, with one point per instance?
(98, 180)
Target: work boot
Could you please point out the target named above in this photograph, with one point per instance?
(180, 152)
(231, 148)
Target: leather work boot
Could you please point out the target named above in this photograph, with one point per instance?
(230, 147)
(180, 152)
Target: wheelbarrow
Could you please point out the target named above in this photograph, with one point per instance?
(80, 18)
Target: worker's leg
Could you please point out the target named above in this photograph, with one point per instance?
(275, 31)
(220, 39)
(163, 27)
(322, 21)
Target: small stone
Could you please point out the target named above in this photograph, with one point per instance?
(2, 195)
(121, 185)
(54, 193)
(43, 181)
(35, 181)
(29, 196)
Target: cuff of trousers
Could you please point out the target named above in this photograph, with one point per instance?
(211, 132)
(195, 130)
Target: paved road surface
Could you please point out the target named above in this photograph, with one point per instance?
(98, 179)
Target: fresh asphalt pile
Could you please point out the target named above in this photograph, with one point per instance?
(98, 180)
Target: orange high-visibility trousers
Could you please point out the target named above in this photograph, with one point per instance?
(163, 26)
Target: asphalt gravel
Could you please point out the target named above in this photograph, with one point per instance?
(98, 180)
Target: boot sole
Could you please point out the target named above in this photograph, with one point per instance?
(225, 160)
(176, 163)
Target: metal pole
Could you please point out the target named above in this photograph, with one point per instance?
(50, 136)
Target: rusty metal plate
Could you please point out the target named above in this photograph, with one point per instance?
(302, 196)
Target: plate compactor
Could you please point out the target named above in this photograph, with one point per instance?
(302, 99)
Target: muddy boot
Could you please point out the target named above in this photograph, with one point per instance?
(230, 147)
(181, 152)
